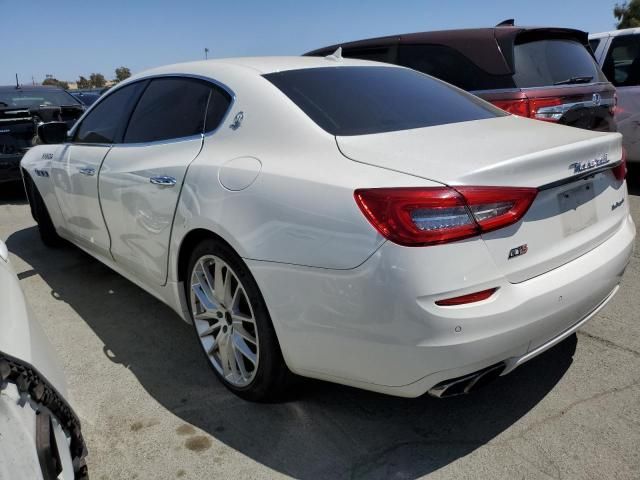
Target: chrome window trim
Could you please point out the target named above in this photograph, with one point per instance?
(210, 80)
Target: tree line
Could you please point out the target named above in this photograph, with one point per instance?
(95, 80)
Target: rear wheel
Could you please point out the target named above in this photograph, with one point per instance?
(232, 324)
(41, 215)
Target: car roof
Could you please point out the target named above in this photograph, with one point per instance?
(257, 65)
(614, 33)
(490, 48)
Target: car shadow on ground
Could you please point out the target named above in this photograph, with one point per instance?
(325, 430)
(12, 194)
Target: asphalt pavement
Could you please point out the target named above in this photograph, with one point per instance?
(151, 408)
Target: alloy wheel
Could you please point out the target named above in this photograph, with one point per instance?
(224, 320)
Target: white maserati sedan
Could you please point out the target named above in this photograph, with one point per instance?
(340, 219)
(40, 436)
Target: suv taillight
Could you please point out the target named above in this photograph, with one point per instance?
(416, 216)
(547, 109)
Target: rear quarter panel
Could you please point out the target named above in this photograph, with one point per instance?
(300, 208)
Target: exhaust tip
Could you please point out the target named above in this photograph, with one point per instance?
(467, 383)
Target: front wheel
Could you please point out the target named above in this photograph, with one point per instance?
(232, 324)
(41, 215)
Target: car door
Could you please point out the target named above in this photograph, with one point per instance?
(141, 179)
(622, 67)
(75, 170)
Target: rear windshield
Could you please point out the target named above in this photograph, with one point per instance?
(549, 62)
(365, 100)
(36, 98)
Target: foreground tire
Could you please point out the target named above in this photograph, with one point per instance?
(41, 215)
(232, 324)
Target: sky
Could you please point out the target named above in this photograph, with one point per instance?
(71, 38)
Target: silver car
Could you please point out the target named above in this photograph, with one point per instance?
(618, 54)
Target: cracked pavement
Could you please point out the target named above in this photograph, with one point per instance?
(152, 410)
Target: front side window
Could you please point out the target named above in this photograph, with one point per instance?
(169, 108)
(107, 121)
(366, 100)
(622, 65)
(594, 44)
(545, 63)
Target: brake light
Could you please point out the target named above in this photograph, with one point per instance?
(538, 108)
(517, 107)
(464, 299)
(620, 171)
(543, 109)
(431, 216)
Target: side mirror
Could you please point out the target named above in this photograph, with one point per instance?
(52, 132)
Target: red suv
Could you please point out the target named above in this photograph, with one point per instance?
(544, 73)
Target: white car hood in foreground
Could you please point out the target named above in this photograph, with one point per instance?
(508, 150)
(21, 336)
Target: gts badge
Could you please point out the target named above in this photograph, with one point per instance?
(518, 251)
(47, 156)
(41, 173)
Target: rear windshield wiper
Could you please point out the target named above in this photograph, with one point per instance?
(572, 80)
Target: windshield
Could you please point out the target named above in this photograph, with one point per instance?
(554, 62)
(366, 100)
(36, 98)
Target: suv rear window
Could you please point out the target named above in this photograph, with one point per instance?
(366, 100)
(450, 65)
(550, 62)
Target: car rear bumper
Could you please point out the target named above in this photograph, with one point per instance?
(10, 168)
(378, 327)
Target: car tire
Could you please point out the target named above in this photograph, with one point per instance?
(41, 215)
(220, 333)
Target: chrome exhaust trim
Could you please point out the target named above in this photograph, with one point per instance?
(466, 383)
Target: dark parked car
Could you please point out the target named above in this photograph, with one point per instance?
(88, 98)
(22, 109)
(544, 73)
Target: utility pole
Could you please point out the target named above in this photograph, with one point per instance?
(206, 53)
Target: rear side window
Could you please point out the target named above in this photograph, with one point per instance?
(374, 54)
(106, 122)
(451, 66)
(365, 100)
(219, 103)
(622, 65)
(544, 63)
(169, 108)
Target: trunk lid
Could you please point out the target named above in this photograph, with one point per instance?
(571, 214)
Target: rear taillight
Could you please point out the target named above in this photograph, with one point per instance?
(620, 170)
(547, 109)
(517, 107)
(430, 216)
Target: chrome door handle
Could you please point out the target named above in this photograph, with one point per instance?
(87, 171)
(163, 181)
